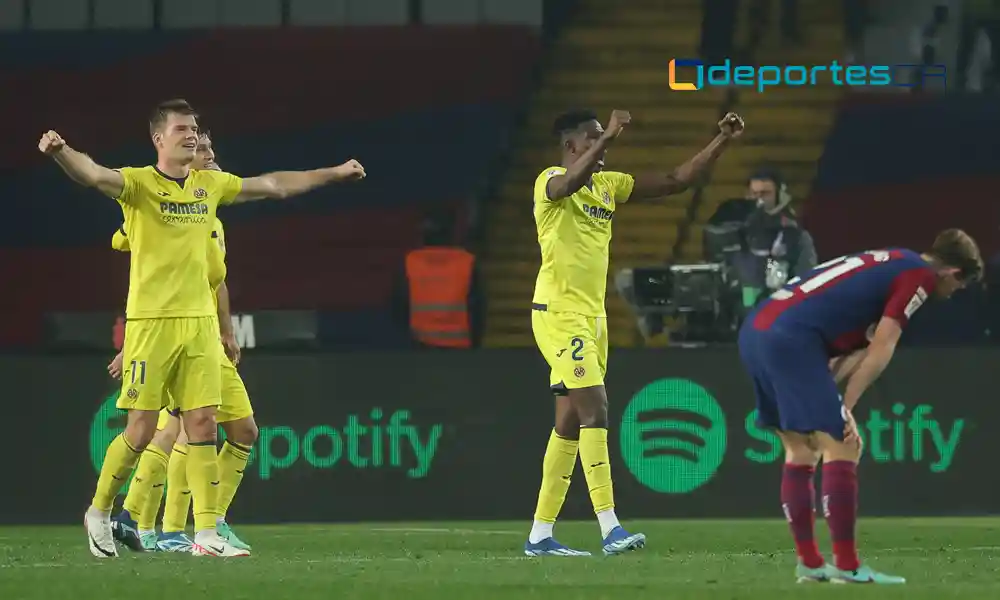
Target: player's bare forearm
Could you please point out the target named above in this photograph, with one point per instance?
(870, 369)
(225, 316)
(843, 367)
(657, 185)
(285, 184)
(578, 173)
(83, 170)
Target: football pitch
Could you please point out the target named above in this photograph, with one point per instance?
(724, 560)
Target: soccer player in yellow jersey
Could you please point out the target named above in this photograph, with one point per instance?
(165, 458)
(574, 204)
(172, 331)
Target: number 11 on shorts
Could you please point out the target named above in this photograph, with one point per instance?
(141, 364)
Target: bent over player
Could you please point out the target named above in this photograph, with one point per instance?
(164, 459)
(786, 345)
(171, 333)
(573, 205)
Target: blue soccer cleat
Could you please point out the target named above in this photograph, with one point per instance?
(620, 541)
(550, 547)
(804, 574)
(175, 541)
(863, 574)
(126, 530)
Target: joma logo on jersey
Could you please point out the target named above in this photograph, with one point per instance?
(178, 208)
(598, 212)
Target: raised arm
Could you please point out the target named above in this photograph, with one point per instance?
(579, 173)
(284, 184)
(80, 167)
(657, 185)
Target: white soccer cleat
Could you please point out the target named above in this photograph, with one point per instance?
(212, 544)
(99, 536)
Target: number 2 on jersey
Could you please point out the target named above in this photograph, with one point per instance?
(831, 270)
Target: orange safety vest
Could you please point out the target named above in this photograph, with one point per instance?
(439, 288)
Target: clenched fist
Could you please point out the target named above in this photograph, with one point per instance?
(731, 125)
(619, 119)
(51, 143)
(350, 171)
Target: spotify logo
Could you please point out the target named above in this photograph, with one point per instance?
(673, 436)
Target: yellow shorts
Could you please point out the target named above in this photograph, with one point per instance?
(171, 363)
(574, 345)
(235, 400)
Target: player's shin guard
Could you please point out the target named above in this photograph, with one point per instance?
(178, 503)
(797, 497)
(232, 461)
(119, 461)
(147, 481)
(840, 506)
(557, 470)
(203, 476)
(597, 469)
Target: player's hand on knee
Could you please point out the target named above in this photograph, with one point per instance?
(115, 368)
(51, 143)
(851, 435)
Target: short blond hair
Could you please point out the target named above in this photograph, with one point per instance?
(955, 248)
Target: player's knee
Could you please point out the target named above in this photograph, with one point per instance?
(843, 451)
(200, 425)
(140, 429)
(840, 450)
(591, 406)
(243, 432)
(165, 439)
(802, 455)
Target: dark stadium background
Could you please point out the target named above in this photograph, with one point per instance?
(447, 104)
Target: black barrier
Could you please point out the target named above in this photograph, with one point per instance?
(460, 435)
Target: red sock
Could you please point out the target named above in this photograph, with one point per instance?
(840, 506)
(797, 494)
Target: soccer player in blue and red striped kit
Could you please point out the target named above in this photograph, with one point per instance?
(819, 322)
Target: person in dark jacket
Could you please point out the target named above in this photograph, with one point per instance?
(775, 247)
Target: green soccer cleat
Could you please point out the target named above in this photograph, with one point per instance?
(148, 540)
(804, 574)
(226, 533)
(864, 574)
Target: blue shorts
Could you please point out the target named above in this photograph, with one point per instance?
(792, 380)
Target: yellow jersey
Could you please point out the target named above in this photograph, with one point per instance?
(574, 234)
(216, 252)
(168, 221)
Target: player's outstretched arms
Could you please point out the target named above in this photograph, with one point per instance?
(285, 184)
(578, 173)
(80, 167)
(880, 351)
(657, 185)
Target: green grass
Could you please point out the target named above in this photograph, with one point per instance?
(721, 560)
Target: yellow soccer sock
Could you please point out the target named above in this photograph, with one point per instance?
(203, 477)
(597, 467)
(152, 508)
(178, 505)
(119, 461)
(557, 470)
(149, 476)
(232, 461)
